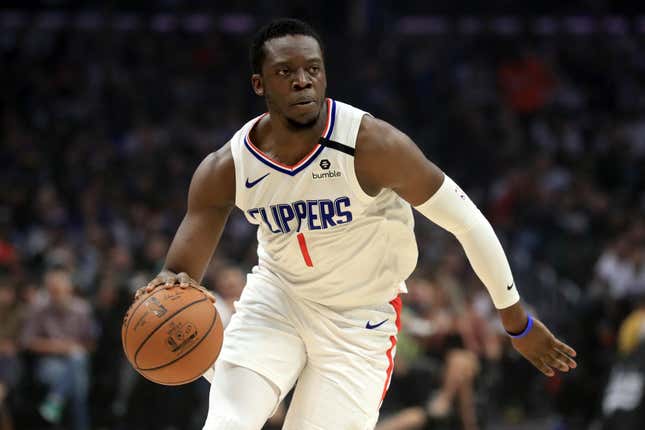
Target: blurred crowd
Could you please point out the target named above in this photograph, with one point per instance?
(100, 132)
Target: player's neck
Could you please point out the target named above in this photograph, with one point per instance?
(291, 134)
(279, 139)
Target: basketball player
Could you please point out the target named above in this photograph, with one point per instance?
(331, 189)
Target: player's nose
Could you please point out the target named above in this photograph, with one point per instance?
(301, 80)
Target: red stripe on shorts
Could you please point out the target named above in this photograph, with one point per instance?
(397, 305)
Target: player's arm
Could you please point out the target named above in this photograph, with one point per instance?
(211, 197)
(387, 158)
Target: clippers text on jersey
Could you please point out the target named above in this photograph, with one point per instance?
(311, 214)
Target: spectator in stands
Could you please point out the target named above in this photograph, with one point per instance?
(61, 333)
(110, 304)
(228, 284)
(632, 330)
(10, 320)
(452, 341)
(413, 379)
(438, 328)
(227, 281)
(622, 266)
(624, 398)
(527, 82)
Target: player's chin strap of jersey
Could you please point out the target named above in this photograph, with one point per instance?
(451, 209)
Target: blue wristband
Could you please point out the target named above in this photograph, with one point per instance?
(527, 329)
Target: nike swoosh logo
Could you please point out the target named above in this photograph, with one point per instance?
(370, 326)
(252, 184)
(510, 287)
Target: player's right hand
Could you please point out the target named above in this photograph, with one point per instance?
(168, 279)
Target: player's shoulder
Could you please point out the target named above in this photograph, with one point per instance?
(372, 132)
(214, 178)
(380, 149)
(342, 109)
(378, 137)
(217, 163)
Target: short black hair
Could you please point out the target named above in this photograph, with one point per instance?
(277, 28)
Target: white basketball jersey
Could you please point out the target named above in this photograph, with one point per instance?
(319, 233)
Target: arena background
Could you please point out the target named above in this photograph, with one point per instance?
(537, 109)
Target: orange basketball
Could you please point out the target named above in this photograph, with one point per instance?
(172, 336)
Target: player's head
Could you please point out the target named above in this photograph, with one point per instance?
(289, 71)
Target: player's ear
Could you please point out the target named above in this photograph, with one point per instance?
(257, 84)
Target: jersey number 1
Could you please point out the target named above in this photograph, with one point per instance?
(304, 250)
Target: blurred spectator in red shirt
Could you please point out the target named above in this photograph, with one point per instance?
(527, 83)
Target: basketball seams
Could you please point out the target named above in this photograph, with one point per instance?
(201, 373)
(168, 318)
(130, 313)
(178, 311)
(183, 381)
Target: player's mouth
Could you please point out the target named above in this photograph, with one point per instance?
(304, 103)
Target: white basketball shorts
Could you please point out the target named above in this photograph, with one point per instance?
(341, 358)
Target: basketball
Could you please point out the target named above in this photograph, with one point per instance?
(172, 336)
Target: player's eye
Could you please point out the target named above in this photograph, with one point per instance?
(314, 70)
(283, 72)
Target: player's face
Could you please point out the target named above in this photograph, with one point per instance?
(293, 79)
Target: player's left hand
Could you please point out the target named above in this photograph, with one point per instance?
(545, 351)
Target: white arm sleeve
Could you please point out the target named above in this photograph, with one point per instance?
(451, 209)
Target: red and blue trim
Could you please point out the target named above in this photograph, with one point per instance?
(397, 304)
(308, 159)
